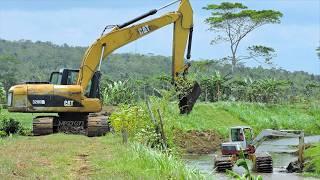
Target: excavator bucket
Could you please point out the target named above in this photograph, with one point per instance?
(189, 98)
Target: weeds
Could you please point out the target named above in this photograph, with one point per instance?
(263, 116)
(313, 156)
(242, 162)
(163, 163)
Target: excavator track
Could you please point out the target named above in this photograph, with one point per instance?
(263, 163)
(91, 125)
(223, 163)
(97, 125)
(44, 125)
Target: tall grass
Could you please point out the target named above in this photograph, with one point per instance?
(263, 116)
(313, 154)
(164, 165)
(204, 116)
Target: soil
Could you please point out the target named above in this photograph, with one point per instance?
(82, 168)
(198, 142)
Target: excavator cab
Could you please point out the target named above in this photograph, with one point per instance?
(69, 77)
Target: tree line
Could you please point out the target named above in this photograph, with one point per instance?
(25, 60)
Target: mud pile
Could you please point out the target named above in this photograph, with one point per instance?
(198, 142)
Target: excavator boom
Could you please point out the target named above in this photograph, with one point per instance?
(122, 35)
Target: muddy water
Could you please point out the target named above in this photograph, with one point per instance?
(281, 151)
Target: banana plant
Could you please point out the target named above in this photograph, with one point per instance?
(242, 162)
(117, 93)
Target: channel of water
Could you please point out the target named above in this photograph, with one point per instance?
(280, 149)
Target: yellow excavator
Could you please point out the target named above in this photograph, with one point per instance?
(74, 94)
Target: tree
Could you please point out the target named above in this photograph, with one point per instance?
(234, 21)
(318, 51)
(8, 71)
(2, 94)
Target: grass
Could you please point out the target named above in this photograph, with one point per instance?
(62, 156)
(313, 154)
(262, 116)
(73, 157)
(203, 117)
(24, 118)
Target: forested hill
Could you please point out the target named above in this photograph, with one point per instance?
(35, 60)
(26, 60)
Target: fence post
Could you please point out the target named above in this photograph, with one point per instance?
(301, 148)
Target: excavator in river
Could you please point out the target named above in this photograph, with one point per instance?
(74, 94)
(241, 139)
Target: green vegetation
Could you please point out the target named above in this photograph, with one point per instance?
(118, 92)
(2, 95)
(232, 22)
(149, 74)
(313, 156)
(264, 116)
(10, 125)
(25, 119)
(203, 117)
(74, 157)
(243, 162)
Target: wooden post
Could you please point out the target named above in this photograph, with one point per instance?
(163, 136)
(124, 133)
(301, 148)
(153, 119)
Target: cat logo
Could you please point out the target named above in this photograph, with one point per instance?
(68, 103)
(144, 30)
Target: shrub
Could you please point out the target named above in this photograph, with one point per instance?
(10, 126)
(25, 131)
(128, 120)
(118, 93)
(242, 162)
(3, 134)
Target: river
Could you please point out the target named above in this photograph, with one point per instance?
(280, 149)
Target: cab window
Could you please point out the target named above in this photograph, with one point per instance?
(55, 78)
(236, 135)
(72, 78)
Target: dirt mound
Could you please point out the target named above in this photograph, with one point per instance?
(198, 142)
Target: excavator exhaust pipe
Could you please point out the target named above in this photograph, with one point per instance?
(189, 98)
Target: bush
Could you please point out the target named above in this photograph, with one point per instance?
(25, 132)
(3, 134)
(128, 118)
(10, 126)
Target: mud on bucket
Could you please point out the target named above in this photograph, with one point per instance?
(189, 98)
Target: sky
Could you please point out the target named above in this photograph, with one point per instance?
(80, 22)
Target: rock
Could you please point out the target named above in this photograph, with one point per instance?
(295, 167)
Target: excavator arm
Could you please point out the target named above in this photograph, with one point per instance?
(272, 133)
(122, 35)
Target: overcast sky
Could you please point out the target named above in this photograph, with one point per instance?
(80, 22)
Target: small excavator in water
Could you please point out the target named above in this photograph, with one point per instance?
(241, 139)
(74, 93)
